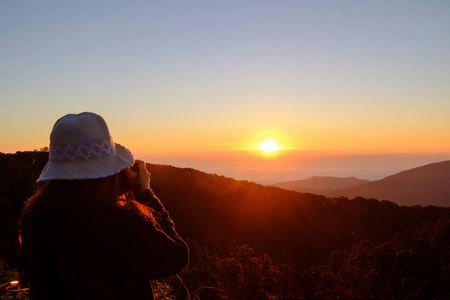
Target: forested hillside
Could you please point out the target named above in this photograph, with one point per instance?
(292, 227)
(249, 241)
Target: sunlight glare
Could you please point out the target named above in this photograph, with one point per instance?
(268, 146)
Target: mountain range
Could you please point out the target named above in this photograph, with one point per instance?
(250, 241)
(425, 185)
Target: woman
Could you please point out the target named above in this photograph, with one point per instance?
(95, 229)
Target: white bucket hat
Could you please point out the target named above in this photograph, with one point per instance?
(81, 147)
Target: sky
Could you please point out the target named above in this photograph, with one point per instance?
(346, 88)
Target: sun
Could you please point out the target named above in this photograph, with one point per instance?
(268, 146)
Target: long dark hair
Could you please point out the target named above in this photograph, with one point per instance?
(112, 191)
(62, 222)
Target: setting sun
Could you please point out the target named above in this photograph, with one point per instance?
(268, 146)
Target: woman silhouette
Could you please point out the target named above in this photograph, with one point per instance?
(94, 229)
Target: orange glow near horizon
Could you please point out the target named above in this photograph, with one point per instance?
(145, 141)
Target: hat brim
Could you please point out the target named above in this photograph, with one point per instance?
(90, 169)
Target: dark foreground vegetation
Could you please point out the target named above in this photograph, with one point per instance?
(249, 241)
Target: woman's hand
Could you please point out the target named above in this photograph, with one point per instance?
(139, 180)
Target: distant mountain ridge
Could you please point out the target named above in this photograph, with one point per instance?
(425, 185)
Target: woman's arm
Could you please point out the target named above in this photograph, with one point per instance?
(168, 253)
(171, 251)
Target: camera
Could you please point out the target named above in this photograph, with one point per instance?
(135, 167)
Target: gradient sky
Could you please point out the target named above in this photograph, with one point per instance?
(186, 81)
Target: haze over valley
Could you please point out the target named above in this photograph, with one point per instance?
(296, 165)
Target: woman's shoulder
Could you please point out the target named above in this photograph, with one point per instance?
(122, 215)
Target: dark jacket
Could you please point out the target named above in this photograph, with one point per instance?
(99, 253)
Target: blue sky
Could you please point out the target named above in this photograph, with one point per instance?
(204, 76)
